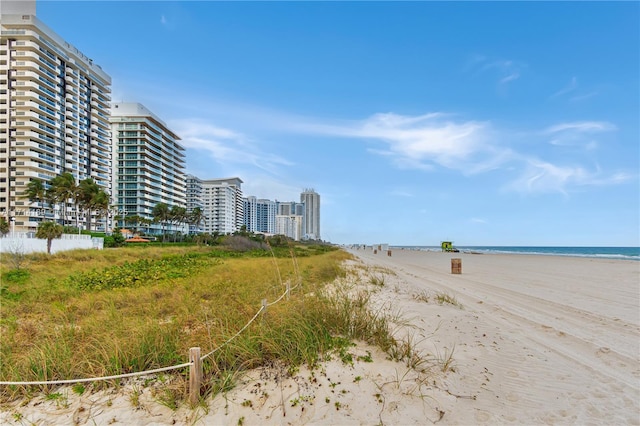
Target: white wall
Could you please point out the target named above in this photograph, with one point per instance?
(26, 243)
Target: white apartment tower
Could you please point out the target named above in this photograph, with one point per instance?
(149, 164)
(194, 193)
(311, 225)
(290, 226)
(54, 113)
(223, 205)
(260, 215)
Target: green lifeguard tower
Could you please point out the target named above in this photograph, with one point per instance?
(448, 247)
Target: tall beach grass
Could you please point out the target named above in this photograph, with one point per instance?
(56, 323)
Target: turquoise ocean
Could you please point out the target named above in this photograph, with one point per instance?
(628, 253)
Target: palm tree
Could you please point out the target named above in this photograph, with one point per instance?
(4, 227)
(65, 188)
(36, 192)
(177, 215)
(100, 203)
(132, 220)
(196, 217)
(48, 231)
(161, 214)
(144, 223)
(87, 190)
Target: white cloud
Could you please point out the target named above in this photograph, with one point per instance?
(507, 70)
(427, 141)
(573, 85)
(510, 77)
(581, 126)
(572, 90)
(588, 95)
(264, 186)
(225, 146)
(541, 177)
(578, 133)
(422, 141)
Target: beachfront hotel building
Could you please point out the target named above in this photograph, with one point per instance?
(54, 114)
(149, 164)
(193, 193)
(311, 223)
(260, 215)
(223, 205)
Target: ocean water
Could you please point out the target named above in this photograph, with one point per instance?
(629, 253)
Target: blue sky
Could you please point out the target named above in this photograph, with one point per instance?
(505, 123)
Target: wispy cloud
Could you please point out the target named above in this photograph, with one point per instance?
(437, 140)
(578, 133)
(582, 127)
(573, 85)
(163, 20)
(422, 141)
(541, 177)
(583, 97)
(478, 220)
(505, 70)
(225, 146)
(510, 77)
(401, 193)
(573, 91)
(262, 185)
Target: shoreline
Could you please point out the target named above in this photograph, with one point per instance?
(495, 250)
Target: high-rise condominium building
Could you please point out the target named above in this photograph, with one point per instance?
(223, 205)
(290, 226)
(54, 114)
(194, 200)
(290, 208)
(149, 166)
(311, 225)
(260, 215)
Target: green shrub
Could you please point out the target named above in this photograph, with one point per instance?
(138, 273)
(18, 276)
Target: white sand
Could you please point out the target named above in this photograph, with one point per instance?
(538, 340)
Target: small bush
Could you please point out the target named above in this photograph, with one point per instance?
(17, 276)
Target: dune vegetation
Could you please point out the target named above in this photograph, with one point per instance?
(93, 313)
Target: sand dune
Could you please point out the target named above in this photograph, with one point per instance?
(532, 339)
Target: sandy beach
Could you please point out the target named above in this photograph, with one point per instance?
(520, 339)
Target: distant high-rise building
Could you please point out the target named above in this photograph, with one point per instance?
(260, 215)
(54, 114)
(311, 224)
(290, 226)
(149, 165)
(223, 205)
(194, 200)
(290, 208)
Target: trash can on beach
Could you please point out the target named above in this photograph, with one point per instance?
(456, 266)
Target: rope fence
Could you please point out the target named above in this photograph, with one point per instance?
(98, 379)
(195, 361)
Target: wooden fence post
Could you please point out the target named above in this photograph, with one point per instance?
(195, 375)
